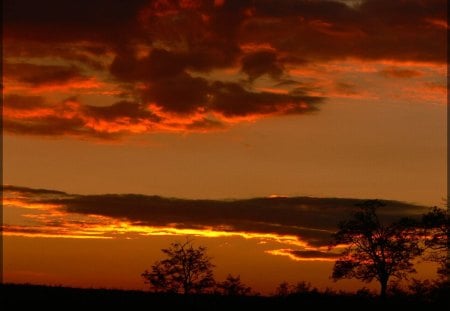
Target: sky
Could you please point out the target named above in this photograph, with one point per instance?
(254, 126)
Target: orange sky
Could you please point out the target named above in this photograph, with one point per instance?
(215, 100)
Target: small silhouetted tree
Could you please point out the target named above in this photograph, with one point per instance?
(437, 232)
(186, 269)
(283, 289)
(233, 286)
(303, 287)
(374, 250)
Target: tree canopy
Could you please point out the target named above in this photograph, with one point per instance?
(186, 269)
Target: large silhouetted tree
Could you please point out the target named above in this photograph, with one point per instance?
(375, 250)
(186, 269)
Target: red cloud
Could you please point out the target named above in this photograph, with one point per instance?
(164, 54)
(31, 115)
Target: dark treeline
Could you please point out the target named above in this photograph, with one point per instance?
(16, 297)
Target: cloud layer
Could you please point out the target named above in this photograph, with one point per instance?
(194, 65)
(310, 220)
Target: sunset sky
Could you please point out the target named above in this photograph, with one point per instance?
(253, 125)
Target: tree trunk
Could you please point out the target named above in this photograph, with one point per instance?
(383, 288)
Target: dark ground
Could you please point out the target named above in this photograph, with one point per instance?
(18, 297)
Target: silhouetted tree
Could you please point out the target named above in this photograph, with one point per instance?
(303, 287)
(283, 289)
(374, 250)
(185, 270)
(233, 286)
(300, 288)
(437, 231)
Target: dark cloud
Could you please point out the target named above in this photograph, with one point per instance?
(160, 64)
(32, 115)
(205, 124)
(174, 90)
(48, 126)
(19, 102)
(181, 94)
(186, 94)
(232, 99)
(165, 52)
(84, 54)
(312, 9)
(311, 219)
(401, 30)
(260, 63)
(133, 111)
(56, 21)
(37, 75)
(31, 191)
(309, 29)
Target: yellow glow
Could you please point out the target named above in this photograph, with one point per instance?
(29, 205)
(73, 225)
(122, 227)
(45, 235)
(287, 253)
(101, 227)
